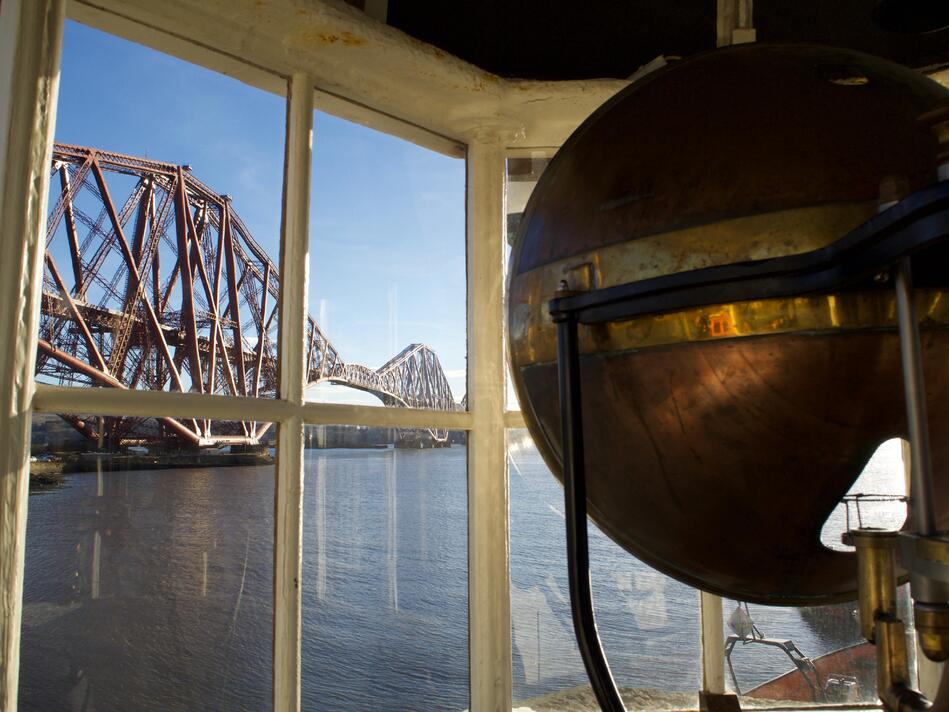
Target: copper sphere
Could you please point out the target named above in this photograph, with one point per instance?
(719, 439)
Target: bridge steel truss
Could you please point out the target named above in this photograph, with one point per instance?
(166, 289)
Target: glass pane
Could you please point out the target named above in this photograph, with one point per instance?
(387, 278)
(522, 175)
(385, 582)
(816, 655)
(876, 499)
(148, 579)
(648, 622)
(161, 271)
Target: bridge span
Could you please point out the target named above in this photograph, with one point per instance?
(153, 281)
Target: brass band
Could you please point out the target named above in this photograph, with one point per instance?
(820, 313)
(777, 234)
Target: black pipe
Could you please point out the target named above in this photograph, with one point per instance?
(575, 499)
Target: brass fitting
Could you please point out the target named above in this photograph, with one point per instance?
(928, 556)
(932, 630)
(876, 576)
(893, 668)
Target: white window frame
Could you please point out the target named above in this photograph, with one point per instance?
(389, 84)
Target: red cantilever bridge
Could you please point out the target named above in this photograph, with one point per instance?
(152, 281)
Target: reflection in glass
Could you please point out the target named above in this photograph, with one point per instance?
(816, 655)
(385, 619)
(649, 623)
(834, 664)
(148, 580)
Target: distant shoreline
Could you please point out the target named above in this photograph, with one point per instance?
(45, 476)
(51, 474)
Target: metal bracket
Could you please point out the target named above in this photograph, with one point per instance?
(927, 556)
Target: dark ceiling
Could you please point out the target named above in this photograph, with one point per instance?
(565, 39)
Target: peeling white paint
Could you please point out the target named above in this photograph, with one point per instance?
(30, 39)
(353, 57)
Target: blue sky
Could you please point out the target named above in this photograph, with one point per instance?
(387, 218)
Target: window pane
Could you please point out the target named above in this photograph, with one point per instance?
(385, 584)
(648, 622)
(148, 579)
(876, 499)
(387, 277)
(163, 225)
(521, 179)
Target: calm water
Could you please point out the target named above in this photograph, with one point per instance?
(152, 590)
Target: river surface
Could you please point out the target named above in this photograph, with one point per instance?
(152, 590)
